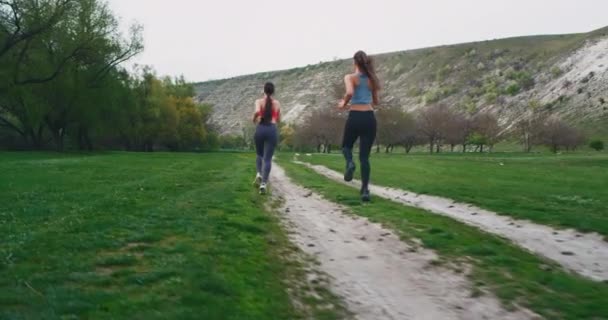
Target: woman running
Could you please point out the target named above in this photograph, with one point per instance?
(267, 115)
(362, 93)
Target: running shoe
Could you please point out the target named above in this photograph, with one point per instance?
(365, 196)
(258, 180)
(263, 188)
(349, 172)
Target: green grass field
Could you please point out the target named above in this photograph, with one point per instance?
(140, 236)
(568, 190)
(517, 277)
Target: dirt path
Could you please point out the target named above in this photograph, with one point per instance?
(378, 276)
(586, 254)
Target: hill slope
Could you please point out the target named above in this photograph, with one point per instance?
(566, 75)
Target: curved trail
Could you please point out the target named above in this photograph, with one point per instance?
(377, 275)
(586, 254)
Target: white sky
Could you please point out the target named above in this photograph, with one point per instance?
(205, 40)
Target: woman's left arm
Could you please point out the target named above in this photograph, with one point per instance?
(256, 113)
(375, 98)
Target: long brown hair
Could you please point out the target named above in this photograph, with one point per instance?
(366, 65)
(267, 114)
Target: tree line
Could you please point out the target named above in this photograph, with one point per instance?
(438, 128)
(62, 84)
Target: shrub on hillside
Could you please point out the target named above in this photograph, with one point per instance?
(556, 71)
(513, 88)
(432, 96)
(597, 145)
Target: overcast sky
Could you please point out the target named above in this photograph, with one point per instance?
(216, 39)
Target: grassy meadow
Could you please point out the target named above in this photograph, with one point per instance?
(568, 190)
(142, 236)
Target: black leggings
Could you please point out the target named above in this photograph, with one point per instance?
(362, 125)
(266, 139)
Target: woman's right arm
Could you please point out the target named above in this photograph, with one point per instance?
(350, 90)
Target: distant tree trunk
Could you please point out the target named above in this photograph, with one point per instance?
(438, 147)
(84, 141)
(377, 147)
(58, 139)
(464, 148)
(431, 146)
(57, 131)
(408, 147)
(451, 147)
(36, 137)
(481, 148)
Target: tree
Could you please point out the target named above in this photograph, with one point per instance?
(287, 136)
(321, 131)
(431, 123)
(191, 130)
(391, 122)
(529, 130)
(457, 131)
(556, 134)
(486, 130)
(56, 57)
(597, 145)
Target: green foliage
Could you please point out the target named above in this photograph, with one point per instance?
(556, 71)
(63, 83)
(523, 78)
(491, 97)
(512, 88)
(286, 134)
(442, 73)
(468, 105)
(436, 94)
(534, 104)
(232, 142)
(597, 145)
(432, 96)
(414, 91)
(477, 139)
(132, 236)
(500, 62)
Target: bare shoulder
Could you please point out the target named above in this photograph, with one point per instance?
(276, 103)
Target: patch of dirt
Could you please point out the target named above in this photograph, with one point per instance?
(378, 279)
(105, 271)
(585, 254)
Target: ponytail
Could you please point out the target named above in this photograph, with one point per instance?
(267, 114)
(366, 65)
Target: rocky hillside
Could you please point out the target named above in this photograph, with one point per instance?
(565, 75)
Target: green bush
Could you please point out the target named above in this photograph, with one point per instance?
(556, 71)
(432, 96)
(525, 80)
(491, 97)
(513, 88)
(597, 145)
